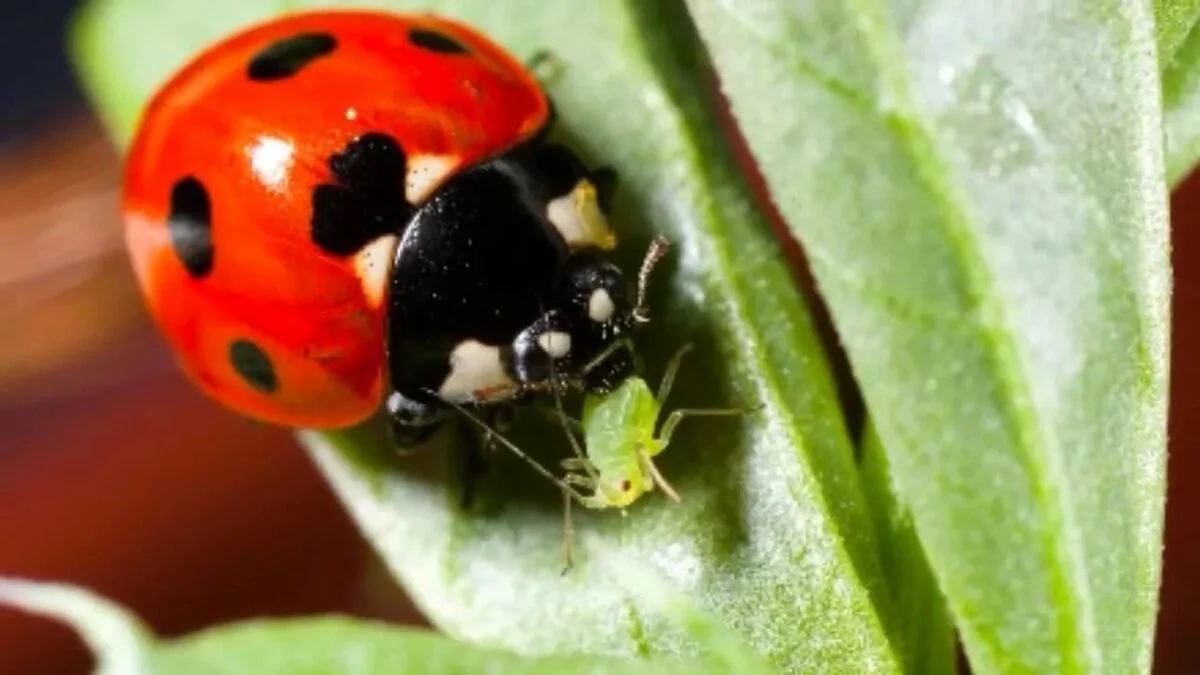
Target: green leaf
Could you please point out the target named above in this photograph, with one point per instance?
(1174, 21)
(773, 539)
(1181, 110)
(122, 50)
(980, 190)
(311, 646)
(118, 639)
(928, 640)
(1179, 61)
(341, 645)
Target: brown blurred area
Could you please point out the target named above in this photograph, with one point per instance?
(1178, 650)
(117, 475)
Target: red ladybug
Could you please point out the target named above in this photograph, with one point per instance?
(336, 209)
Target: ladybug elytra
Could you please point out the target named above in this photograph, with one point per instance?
(338, 210)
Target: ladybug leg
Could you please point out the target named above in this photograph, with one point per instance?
(497, 419)
(541, 356)
(412, 422)
(474, 465)
(611, 367)
(479, 446)
(545, 66)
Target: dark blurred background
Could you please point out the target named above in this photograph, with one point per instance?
(116, 474)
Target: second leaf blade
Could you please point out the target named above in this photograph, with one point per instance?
(979, 187)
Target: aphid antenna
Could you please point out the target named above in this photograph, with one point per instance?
(660, 480)
(537, 466)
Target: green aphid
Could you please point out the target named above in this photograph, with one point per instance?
(618, 429)
(614, 467)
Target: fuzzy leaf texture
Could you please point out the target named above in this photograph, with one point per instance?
(927, 640)
(1174, 22)
(1179, 61)
(1181, 109)
(773, 542)
(327, 645)
(980, 189)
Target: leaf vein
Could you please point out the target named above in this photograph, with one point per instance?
(1076, 629)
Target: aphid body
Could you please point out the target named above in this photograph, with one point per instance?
(619, 436)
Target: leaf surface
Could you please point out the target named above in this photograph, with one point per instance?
(927, 642)
(326, 645)
(980, 189)
(1181, 110)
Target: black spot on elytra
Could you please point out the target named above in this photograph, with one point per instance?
(189, 225)
(284, 58)
(253, 365)
(373, 163)
(434, 41)
(344, 222)
(366, 201)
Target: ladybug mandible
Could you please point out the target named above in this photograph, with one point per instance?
(336, 210)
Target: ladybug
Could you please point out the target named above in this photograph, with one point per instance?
(338, 211)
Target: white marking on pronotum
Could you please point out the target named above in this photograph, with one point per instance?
(555, 343)
(600, 306)
(474, 367)
(578, 218)
(372, 265)
(423, 173)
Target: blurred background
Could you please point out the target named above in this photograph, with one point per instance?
(117, 475)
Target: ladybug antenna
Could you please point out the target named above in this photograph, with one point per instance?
(657, 251)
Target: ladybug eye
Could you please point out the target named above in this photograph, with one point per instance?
(626, 485)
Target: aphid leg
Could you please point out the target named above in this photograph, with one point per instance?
(575, 447)
(576, 464)
(559, 418)
(578, 480)
(664, 388)
(606, 353)
(562, 418)
(649, 467)
(596, 500)
(568, 534)
(533, 463)
(673, 420)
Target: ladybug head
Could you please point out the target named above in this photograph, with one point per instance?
(601, 294)
(599, 297)
(603, 307)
